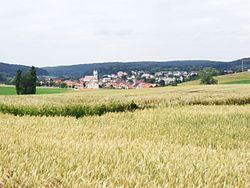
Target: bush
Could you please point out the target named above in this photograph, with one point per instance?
(206, 76)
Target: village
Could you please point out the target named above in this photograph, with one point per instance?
(122, 80)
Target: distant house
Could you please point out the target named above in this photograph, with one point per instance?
(90, 82)
(146, 85)
(70, 83)
(57, 80)
(147, 76)
(119, 84)
(228, 71)
(168, 80)
(120, 74)
(159, 74)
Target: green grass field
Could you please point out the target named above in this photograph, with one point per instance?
(193, 136)
(237, 78)
(9, 90)
(238, 82)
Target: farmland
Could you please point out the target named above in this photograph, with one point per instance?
(187, 136)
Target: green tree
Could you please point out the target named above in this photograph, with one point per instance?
(33, 79)
(18, 81)
(162, 83)
(130, 81)
(26, 84)
(124, 77)
(206, 76)
(150, 80)
(63, 85)
(173, 83)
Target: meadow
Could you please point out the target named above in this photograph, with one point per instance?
(237, 78)
(10, 90)
(186, 136)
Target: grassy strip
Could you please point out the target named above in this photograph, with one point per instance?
(74, 111)
(227, 101)
(238, 82)
(10, 90)
(84, 110)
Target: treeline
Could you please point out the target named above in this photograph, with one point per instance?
(6, 79)
(114, 67)
(11, 69)
(26, 83)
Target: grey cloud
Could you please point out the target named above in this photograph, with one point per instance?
(49, 32)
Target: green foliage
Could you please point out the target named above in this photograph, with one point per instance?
(2, 77)
(110, 68)
(131, 81)
(174, 83)
(63, 85)
(33, 79)
(211, 71)
(26, 84)
(162, 83)
(150, 80)
(206, 76)
(6, 78)
(11, 69)
(18, 81)
(124, 77)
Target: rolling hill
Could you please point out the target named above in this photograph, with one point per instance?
(113, 67)
(10, 69)
(152, 66)
(237, 78)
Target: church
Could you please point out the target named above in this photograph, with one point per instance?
(91, 82)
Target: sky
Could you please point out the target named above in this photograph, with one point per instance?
(65, 32)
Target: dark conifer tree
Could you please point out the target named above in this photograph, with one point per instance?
(26, 84)
(33, 78)
(18, 79)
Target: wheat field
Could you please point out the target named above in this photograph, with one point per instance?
(159, 96)
(165, 146)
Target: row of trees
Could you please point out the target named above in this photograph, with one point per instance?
(26, 84)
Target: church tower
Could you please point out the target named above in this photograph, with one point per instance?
(95, 74)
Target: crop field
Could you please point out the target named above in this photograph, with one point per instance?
(186, 136)
(158, 96)
(10, 90)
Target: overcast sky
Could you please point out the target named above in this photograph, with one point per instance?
(64, 32)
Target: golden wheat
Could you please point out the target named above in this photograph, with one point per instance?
(158, 96)
(183, 146)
